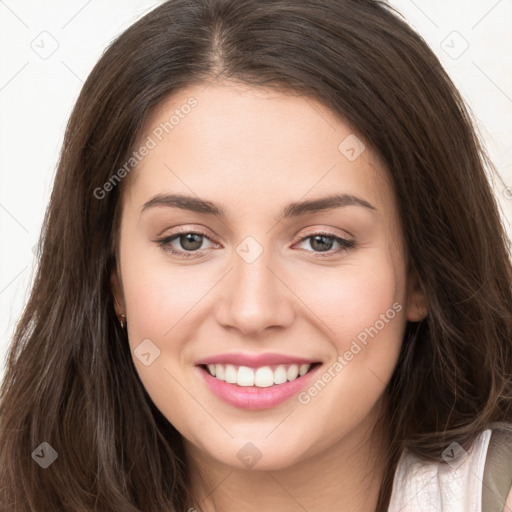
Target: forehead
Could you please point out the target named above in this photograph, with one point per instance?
(244, 144)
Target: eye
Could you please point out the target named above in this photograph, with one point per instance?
(323, 242)
(190, 242)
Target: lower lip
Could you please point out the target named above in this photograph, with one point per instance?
(253, 397)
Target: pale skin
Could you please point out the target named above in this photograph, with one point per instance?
(254, 151)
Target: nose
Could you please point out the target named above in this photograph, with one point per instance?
(255, 297)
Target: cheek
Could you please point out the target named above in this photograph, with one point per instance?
(353, 297)
(159, 295)
(160, 301)
(363, 307)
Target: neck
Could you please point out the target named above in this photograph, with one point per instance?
(346, 476)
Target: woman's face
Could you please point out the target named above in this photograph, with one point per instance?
(260, 237)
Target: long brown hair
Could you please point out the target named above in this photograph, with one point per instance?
(70, 379)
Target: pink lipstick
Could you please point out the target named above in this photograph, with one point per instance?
(256, 381)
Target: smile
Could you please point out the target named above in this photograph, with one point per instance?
(262, 377)
(250, 381)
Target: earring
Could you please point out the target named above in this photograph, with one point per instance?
(122, 320)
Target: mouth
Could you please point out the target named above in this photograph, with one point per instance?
(255, 383)
(260, 377)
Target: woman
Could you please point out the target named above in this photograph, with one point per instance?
(272, 276)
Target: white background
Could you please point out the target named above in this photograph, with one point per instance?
(38, 90)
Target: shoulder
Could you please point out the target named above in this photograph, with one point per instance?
(453, 484)
(498, 471)
(479, 479)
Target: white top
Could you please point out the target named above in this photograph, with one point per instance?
(454, 486)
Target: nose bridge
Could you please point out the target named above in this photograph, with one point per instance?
(254, 297)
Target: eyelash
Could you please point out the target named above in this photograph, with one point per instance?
(345, 244)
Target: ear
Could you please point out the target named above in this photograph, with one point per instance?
(117, 291)
(417, 306)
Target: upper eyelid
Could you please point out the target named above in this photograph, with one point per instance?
(310, 232)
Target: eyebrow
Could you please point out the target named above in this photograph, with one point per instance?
(292, 210)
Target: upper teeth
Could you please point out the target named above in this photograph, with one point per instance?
(261, 377)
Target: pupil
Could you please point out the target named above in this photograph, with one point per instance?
(192, 238)
(322, 246)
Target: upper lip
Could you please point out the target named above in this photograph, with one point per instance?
(254, 360)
